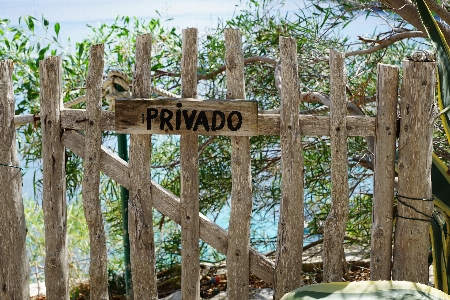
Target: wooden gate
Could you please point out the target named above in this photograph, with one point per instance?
(61, 129)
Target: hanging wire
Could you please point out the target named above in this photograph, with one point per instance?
(430, 218)
(11, 166)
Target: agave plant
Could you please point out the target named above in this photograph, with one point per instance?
(440, 238)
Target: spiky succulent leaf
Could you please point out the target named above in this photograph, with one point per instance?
(443, 61)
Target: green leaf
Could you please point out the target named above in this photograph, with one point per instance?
(80, 50)
(42, 52)
(45, 21)
(57, 27)
(318, 8)
(437, 243)
(16, 36)
(30, 23)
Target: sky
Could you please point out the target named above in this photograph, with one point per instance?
(74, 15)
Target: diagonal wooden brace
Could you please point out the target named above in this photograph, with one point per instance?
(168, 204)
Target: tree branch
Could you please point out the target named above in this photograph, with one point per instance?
(407, 10)
(388, 41)
(442, 12)
(221, 69)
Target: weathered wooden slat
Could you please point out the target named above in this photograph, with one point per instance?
(14, 270)
(417, 111)
(268, 124)
(76, 119)
(336, 221)
(98, 270)
(168, 204)
(180, 116)
(54, 180)
(110, 164)
(288, 267)
(20, 120)
(384, 173)
(140, 215)
(241, 175)
(190, 252)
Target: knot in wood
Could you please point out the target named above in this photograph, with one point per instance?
(378, 232)
(231, 63)
(52, 66)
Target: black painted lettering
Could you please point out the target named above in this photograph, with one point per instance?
(165, 120)
(189, 120)
(178, 117)
(152, 113)
(214, 125)
(201, 120)
(230, 121)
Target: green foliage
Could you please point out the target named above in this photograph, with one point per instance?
(78, 243)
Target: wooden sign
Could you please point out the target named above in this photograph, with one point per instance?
(180, 116)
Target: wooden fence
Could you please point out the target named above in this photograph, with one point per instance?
(61, 129)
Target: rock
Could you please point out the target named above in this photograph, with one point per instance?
(255, 294)
(37, 289)
(263, 294)
(174, 296)
(220, 296)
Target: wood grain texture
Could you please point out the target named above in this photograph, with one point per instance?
(238, 265)
(20, 120)
(190, 252)
(336, 221)
(417, 111)
(180, 116)
(14, 270)
(54, 180)
(288, 267)
(76, 119)
(169, 204)
(384, 173)
(98, 270)
(140, 215)
(268, 124)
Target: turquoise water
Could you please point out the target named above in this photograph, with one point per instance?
(263, 229)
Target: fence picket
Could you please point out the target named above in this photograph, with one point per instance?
(140, 215)
(241, 194)
(336, 221)
(14, 274)
(288, 266)
(190, 252)
(54, 180)
(417, 111)
(384, 172)
(98, 271)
